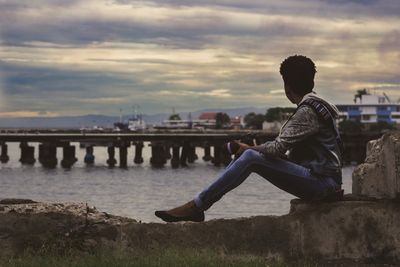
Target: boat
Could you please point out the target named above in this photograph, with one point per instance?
(134, 124)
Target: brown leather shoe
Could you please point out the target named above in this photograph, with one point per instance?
(186, 212)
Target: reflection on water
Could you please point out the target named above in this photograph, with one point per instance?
(139, 190)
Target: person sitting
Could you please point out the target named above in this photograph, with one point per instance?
(305, 159)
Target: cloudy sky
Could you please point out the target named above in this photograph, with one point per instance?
(74, 57)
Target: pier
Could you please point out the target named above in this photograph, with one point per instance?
(177, 147)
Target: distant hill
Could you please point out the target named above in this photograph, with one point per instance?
(89, 121)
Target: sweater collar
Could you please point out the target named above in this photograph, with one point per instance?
(312, 93)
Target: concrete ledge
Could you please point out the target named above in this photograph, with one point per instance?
(354, 230)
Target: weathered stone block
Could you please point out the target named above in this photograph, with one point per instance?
(379, 176)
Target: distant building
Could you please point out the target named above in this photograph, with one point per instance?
(237, 122)
(371, 108)
(208, 116)
(207, 120)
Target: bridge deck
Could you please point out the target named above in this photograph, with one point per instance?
(81, 137)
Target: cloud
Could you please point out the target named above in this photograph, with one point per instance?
(359, 2)
(77, 57)
(27, 113)
(279, 91)
(213, 93)
(389, 48)
(104, 100)
(95, 21)
(85, 22)
(3, 105)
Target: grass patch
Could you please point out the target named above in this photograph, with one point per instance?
(173, 258)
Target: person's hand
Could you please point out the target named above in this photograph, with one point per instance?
(242, 148)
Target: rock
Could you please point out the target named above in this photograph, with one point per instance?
(57, 227)
(379, 176)
(16, 201)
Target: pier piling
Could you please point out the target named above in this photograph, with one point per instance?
(167, 149)
(111, 161)
(217, 155)
(138, 153)
(89, 157)
(184, 154)
(226, 157)
(158, 158)
(4, 158)
(123, 156)
(192, 156)
(175, 156)
(27, 154)
(48, 155)
(207, 153)
(68, 156)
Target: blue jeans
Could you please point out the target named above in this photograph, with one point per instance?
(290, 177)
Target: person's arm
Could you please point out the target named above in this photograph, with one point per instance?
(300, 126)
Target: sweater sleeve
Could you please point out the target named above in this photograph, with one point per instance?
(301, 125)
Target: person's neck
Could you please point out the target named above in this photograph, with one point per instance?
(299, 99)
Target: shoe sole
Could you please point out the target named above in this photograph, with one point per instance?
(166, 217)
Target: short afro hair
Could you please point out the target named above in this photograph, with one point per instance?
(298, 72)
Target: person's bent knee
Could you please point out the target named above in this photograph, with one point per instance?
(250, 154)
